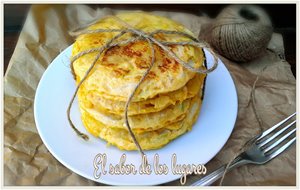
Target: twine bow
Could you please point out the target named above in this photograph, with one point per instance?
(137, 35)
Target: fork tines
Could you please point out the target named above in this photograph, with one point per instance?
(279, 137)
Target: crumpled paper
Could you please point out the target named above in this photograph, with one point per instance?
(45, 34)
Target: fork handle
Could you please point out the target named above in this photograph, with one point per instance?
(217, 174)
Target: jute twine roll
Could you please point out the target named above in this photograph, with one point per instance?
(241, 32)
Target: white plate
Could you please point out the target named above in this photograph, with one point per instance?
(202, 143)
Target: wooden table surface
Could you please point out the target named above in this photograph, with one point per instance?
(15, 15)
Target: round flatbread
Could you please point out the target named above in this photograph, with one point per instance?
(120, 68)
(94, 100)
(150, 121)
(149, 139)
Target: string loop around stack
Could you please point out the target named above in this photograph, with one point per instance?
(137, 35)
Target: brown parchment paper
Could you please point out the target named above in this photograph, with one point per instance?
(45, 34)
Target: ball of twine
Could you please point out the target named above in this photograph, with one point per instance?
(241, 32)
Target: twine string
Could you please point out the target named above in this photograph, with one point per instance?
(101, 50)
(132, 94)
(137, 35)
(252, 101)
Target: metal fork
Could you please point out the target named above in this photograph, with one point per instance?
(262, 148)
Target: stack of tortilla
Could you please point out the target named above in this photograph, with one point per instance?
(166, 104)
